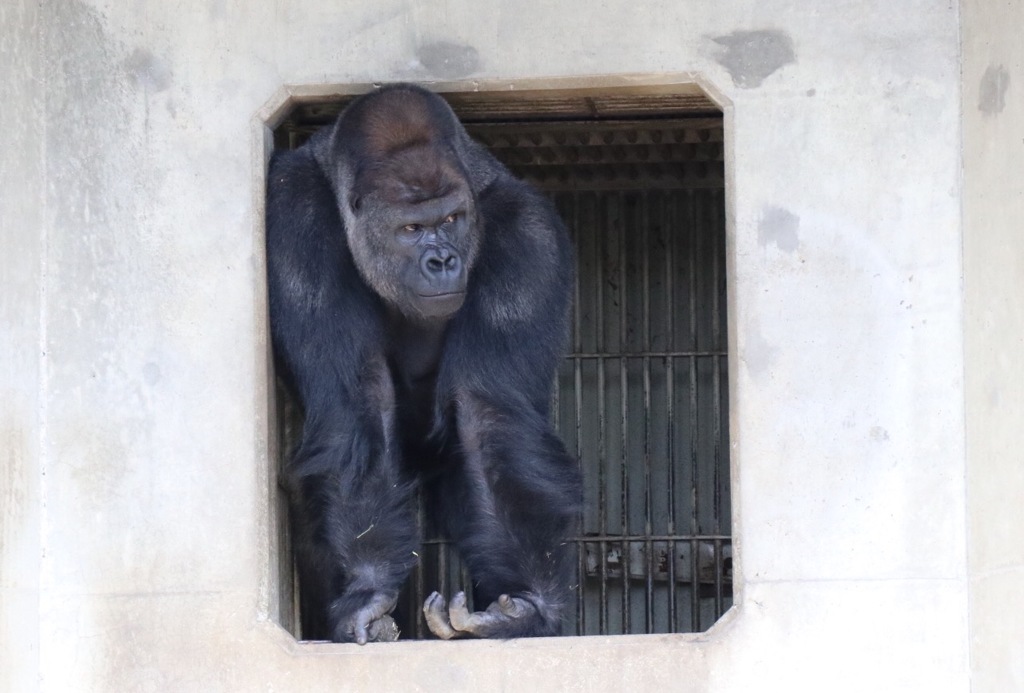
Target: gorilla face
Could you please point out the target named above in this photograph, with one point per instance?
(415, 233)
(432, 264)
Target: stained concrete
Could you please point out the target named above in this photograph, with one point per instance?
(752, 56)
(992, 89)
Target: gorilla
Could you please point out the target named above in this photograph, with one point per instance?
(419, 303)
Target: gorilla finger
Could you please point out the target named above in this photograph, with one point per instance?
(362, 619)
(509, 606)
(458, 613)
(435, 612)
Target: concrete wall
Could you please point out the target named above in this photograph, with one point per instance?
(22, 267)
(137, 544)
(993, 103)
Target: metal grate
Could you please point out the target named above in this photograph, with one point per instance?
(642, 399)
(642, 403)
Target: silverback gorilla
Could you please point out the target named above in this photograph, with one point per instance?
(419, 303)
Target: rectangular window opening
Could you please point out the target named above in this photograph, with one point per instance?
(641, 400)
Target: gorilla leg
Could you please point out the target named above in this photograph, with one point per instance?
(510, 503)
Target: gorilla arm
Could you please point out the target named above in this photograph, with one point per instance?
(519, 491)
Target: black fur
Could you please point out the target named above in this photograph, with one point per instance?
(474, 431)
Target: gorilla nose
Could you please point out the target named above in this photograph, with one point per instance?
(437, 263)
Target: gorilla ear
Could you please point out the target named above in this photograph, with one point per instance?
(355, 202)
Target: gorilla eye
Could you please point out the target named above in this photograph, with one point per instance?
(450, 219)
(411, 228)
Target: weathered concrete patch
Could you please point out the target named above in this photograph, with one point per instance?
(992, 90)
(448, 60)
(751, 56)
(781, 227)
(757, 353)
(147, 70)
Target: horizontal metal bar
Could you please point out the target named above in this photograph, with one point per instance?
(629, 132)
(643, 354)
(676, 155)
(653, 537)
(620, 538)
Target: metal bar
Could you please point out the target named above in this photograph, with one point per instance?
(607, 537)
(581, 557)
(558, 158)
(670, 233)
(695, 585)
(592, 180)
(624, 409)
(694, 431)
(686, 130)
(442, 569)
(648, 354)
(296, 601)
(716, 414)
(645, 220)
(709, 536)
(602, 461)
(639, 537)
(719, 587)
(558, 199)
(716, 337)
(467, 585)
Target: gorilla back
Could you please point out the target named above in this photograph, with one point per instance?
(419, 301)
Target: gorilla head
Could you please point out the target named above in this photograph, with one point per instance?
(409, 209)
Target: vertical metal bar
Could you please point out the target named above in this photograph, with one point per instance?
(671, 233)
(645, 219)
(577, 340)
(624, 411)
(710, 214)
(694, 431)
(695, 620)
(442, 569)
(296, 601)
(602, 460)
(466, 585)
(719, 587)
(716, 341)
(557, 199)
(556, 391)
(556, 402)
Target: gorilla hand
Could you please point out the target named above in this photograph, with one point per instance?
(507, 617)
(370, 623)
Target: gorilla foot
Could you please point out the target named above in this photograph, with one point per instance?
(507, 617)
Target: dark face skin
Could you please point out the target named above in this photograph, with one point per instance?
(416, 254)
(430, 240)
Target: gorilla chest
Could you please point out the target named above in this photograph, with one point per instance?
(414, 357)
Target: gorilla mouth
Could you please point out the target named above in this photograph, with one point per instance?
(441, 305)
(446, 294)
